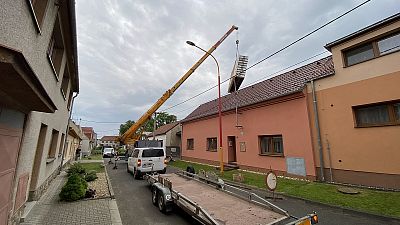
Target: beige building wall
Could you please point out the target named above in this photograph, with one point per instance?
(367, 156)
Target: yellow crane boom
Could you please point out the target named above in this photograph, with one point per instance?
(132, 134)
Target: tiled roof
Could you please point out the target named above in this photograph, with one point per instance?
(165, 128)
(109, 138)
(278, 86)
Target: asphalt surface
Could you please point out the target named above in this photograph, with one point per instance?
(134, 200)
(134, 203)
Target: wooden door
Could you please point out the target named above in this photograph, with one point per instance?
(231, 149)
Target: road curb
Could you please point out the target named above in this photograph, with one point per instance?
(115, 216)
(110, 189)
(386, 218)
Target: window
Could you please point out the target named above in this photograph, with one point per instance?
(242, 146)
(389, 44)
(271, 145)
(53, 144)
(65, 83)
(212, 144)
(190, 144)
(55, 50)
(38, 9)
(152, 152)
(359, 54)
(378, 115)
(372, 49)
(61, 150)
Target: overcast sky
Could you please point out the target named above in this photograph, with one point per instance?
(131, 52)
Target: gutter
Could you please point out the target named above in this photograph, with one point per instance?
(66, 132)
(316, 121)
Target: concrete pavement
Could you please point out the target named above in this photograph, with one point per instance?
(50, 211)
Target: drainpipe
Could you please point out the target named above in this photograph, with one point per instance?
(66, 132)
(316, 121)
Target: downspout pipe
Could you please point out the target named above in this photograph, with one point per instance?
(66, 132)
(316, 122)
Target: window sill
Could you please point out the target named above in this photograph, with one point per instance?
(62, 93)
(50, 160)
(53, 68)
(211, 150)
(272, 155)
(377, 125)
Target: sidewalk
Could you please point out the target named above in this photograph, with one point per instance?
(49, 210)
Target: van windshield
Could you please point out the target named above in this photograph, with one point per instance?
(152, 152)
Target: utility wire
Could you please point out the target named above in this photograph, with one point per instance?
(253, 82)
(308, 34)
(273, 54)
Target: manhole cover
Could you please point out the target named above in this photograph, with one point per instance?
(347, 190)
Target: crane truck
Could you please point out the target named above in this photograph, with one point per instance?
(135, 131)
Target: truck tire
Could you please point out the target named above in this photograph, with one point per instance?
(161, 203)
(136, 174)
(154, 196)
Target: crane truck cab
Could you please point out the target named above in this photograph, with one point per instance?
(146, 160)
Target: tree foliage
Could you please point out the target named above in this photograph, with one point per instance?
(161, 119)
(124, 127)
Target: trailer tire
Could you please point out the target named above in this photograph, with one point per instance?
(161, 203)
(154, 196)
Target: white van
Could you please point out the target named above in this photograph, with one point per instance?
(146, 160)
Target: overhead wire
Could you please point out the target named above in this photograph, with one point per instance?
(275, 53)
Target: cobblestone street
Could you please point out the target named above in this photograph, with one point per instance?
(49, 210)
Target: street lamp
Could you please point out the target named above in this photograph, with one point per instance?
(221, 154)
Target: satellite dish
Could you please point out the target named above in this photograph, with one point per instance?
(238, 73)
(271, 180)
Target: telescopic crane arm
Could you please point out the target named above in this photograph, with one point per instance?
(131, 135)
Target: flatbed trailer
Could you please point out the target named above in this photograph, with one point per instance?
(207, 199)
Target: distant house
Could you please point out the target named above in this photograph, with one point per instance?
(270, 131)
(170, 135)
(90, 142)
(109, 141)
(74, 138)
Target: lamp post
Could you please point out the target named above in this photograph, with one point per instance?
(221, 154)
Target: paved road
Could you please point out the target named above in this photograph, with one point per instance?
(134, 201)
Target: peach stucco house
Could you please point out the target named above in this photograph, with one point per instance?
(336, 119)
(359, 108)
(270, 131)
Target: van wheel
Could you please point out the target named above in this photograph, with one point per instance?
(161, 203)
(154, 196)
(136, 174)
(127, 169)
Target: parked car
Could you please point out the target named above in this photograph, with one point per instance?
(108, 153)
(146, 160)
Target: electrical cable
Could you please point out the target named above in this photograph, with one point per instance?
(308, 34)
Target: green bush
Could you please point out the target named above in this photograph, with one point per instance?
(97, 151)
(76, 168)
(74, 189)
(91, 176)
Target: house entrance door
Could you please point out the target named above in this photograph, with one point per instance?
(231, 149)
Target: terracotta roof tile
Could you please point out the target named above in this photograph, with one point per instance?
(109, 138)
(284, 84)
(165, 128)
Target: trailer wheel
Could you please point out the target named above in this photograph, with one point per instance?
(161, 203)
(154, 196)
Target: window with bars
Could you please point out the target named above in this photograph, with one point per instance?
(212, 144)
(381, 114)
(372, 49)
(271, 144)
(190, 144)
